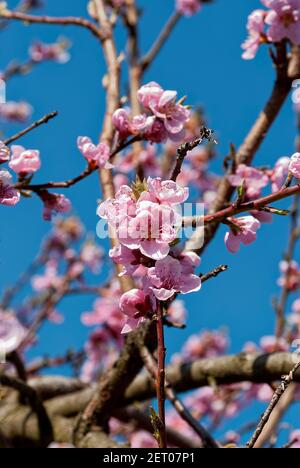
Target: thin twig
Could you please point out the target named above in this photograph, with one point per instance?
(67, 21)
(35, 125)
(160, 386)
(286, 381)
(233, 209)
(212, 274)
(160, 41)
(205, 133)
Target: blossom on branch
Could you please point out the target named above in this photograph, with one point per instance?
(97, 155)
(24, 161)
(243, 230)
(164, 117)
(294, 166)
(57, 52)
(188, 7)
(9, 196)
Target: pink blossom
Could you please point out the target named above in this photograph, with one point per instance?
(171, 276)
(149, 161)
(136, 305)
(106, 310)
(15, 111)
(284, 20)
(92, 256)
(122, 122)
(270, 344)
(12, 333)
(244, 233)
(204, 345)
(101, 352)
(4, 153)
(262, 216)
(264, 393)
(24, 161)
(120, 180)
(254, 180)
(164, 105)
(255, 28)
(177, 312)
(131, 260)
(152, 229)
(49, 280)
(188, 7)
(142, 439)
(232, 437)
(279, 173)
(54, 203)
(296, 306)
(167, 191)
(9, 196)
(98, 155)
(290, 278)
(58, 52)
(294, 166)
(145, 226)
(155, 131)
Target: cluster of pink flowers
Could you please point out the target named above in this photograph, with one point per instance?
(15, 111)
(146, 223)
(294, 166)
(25, 163)
(254, 180)
(164, 116)
(205, 344)
(188, 7)
(290, 278)
(244, 229)
(96, 155)
(281, 21)
(58, 52)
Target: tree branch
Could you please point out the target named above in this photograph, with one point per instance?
(286, 381)
(67, 21)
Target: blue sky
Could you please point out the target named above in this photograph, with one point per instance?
(202, 61)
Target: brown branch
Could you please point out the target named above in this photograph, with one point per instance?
(160, 41)
(35, 125)
(234, 209)
(252, 367)
(67, 21)
(283, 405)
(214, 273)
(29, 394)
(286, 381)
(184, 149)
(69, 183)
